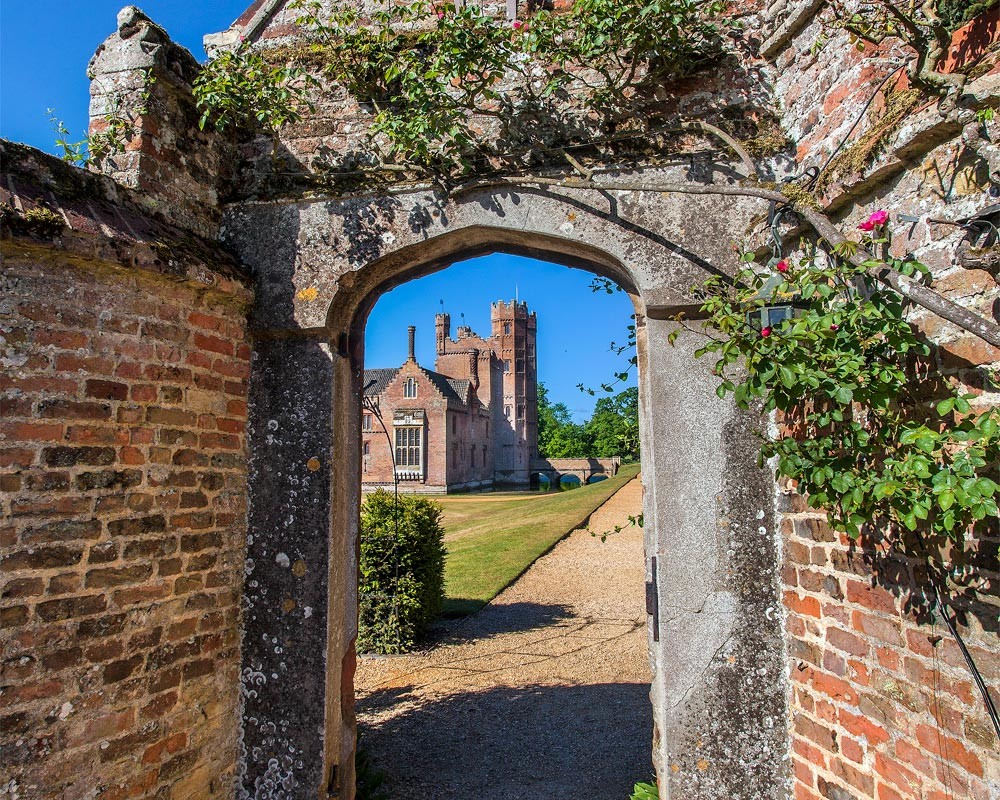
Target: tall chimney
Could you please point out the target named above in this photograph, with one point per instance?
(474, 368)
(411, 333)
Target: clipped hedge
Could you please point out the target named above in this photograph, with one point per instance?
(401, 585)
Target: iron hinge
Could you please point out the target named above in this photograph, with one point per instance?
(653, 599)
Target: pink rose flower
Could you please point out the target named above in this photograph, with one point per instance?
(765, 332)
(781, 266)
(518, 24)
(875, 220)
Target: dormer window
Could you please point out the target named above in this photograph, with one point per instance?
(410, 387)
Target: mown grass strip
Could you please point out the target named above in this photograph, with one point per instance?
(493, 539)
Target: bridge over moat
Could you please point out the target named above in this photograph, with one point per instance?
(583, 468)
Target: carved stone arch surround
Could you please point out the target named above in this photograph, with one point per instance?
(719, 681)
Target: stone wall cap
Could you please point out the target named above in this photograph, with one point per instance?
(46, 202)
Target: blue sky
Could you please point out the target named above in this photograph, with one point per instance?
(45, 46)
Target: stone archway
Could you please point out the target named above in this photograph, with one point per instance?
(715, 635)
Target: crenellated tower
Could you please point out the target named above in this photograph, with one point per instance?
(513, 339)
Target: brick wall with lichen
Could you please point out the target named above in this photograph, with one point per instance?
(882, 703)
(122, 470)
(180, 172)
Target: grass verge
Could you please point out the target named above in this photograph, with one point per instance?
(493, 538)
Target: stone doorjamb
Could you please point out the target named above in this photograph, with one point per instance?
(719, 681)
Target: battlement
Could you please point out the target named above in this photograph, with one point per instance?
(513, 309)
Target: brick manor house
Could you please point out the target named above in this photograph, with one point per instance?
(470, 423)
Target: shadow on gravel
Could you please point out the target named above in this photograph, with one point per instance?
(495, 620)
(531, 743)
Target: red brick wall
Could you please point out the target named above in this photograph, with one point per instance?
(377, 465)
(448, 425)
(122, 466)
(883, 705)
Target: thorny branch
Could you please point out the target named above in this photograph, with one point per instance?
(923, 31)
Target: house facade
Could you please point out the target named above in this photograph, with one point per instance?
(470, 423)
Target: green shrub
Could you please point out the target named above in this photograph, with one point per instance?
(401, 587)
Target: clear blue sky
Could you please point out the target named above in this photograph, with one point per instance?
(45, 46)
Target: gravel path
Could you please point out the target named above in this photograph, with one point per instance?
(542, 695)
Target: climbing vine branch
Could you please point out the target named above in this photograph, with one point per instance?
(450, 88)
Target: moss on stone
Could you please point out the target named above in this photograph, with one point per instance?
(41, 222)
(856, 158)
(769, 140)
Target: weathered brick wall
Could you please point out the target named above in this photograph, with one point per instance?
(882, 704)
(332, 143)
(180, 172)
(122, 470)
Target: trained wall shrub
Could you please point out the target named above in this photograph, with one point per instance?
(401, 585)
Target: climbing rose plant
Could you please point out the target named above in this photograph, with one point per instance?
(426, 70)
(861, 436)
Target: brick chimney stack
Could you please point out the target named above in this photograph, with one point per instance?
(411, 333)
(474, 368)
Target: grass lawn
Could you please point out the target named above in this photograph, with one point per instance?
(493, 538)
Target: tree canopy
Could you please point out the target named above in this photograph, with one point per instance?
(612, 430)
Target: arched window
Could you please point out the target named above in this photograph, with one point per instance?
(410, 387)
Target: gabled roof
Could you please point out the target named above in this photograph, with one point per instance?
(451, 388)
(382, 378)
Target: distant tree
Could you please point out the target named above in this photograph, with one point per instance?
(613, 430)
(570, 441)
